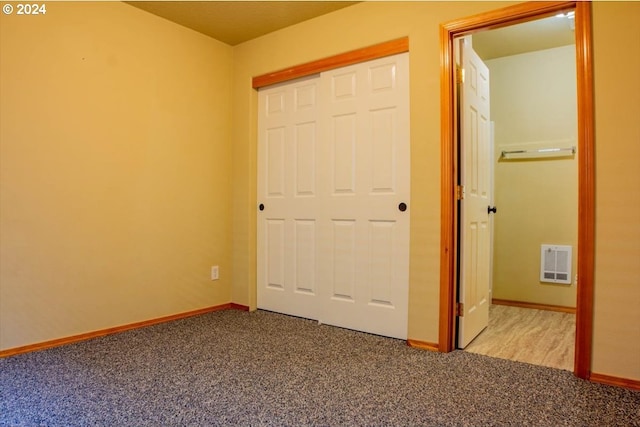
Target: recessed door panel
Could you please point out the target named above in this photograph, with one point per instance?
(381, 249)
(383, 150)
(344, 258)
(305, 256)
(275, 162)
(344, 152)
(305, 153)
(344, 86)
(275, 103)
(383, 77)
(275, 254)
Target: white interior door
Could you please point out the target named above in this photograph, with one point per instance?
(288, 195)
(366, 264)
(475, 233)
(333, 242)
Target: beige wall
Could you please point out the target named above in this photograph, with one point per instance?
(115, 163)
(533, 105)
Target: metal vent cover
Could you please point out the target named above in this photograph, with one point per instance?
(555, 264)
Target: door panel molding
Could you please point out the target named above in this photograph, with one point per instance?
(586, 183)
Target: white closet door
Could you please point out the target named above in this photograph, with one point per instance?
(333, 172)
(287, 190)
(365, 134)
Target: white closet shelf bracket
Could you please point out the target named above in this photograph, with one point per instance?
(539, 153)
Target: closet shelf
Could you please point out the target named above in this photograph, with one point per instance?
(539, 153)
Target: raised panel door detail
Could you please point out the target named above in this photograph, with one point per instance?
(275, 254)
(383, 77)
(275, 162)
(344, 86)
(305, 96)
(344, 153)
(305, 255)
(344, 259)
(383, 150)
(381, 246)
(275, 103)
(305, 153)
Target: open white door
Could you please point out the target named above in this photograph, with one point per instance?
(475, 237)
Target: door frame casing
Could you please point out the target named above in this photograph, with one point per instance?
(586, 183)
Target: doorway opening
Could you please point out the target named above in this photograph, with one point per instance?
(523, 151)
(450, 157)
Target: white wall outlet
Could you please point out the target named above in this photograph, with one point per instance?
(215, 273)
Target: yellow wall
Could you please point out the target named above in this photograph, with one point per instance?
(114, 170)
(533, 105)
(616, 338)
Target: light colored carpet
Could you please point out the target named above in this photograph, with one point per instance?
(539, 337)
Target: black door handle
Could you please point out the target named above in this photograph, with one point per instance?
(402, 207)
(491, 209)
(261, 207)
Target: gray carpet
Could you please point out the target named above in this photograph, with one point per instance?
(238, 368)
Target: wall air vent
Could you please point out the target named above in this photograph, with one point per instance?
(555, 264)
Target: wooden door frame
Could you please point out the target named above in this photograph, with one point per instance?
(586, 184)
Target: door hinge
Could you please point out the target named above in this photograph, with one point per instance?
(460, 192)
(459, 309)
(459, 75)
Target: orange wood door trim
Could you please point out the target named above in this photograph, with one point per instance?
(586, 192)
(586, 184)
(355, 56)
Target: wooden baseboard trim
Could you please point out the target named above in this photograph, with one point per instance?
(423, 345)
(241, 307)
(523, 304)
(109, 331)
(615, 381)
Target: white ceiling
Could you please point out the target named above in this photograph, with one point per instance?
(530, 36)
(234, 22)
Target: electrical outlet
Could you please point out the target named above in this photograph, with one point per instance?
(215, 273)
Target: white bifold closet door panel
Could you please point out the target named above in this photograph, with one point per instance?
(333, 172)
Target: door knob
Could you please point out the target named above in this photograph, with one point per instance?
(261, 207)
(491, 209)
(402, 207)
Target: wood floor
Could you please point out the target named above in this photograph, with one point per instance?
(539, 337)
